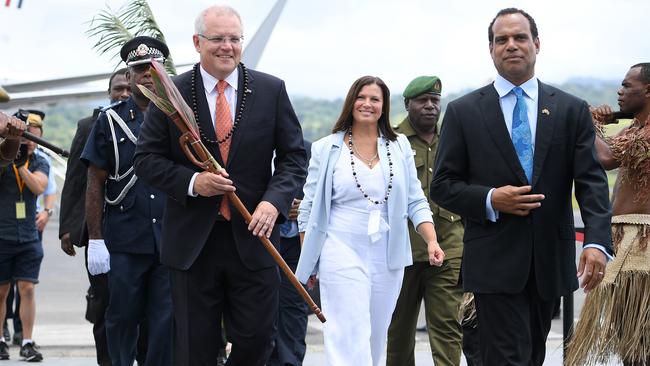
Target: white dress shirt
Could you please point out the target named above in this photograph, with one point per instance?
(210, 89)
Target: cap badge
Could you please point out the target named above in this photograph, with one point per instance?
(142, 50)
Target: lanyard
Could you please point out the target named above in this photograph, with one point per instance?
(19, 180)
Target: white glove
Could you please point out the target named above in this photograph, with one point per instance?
(98, 257)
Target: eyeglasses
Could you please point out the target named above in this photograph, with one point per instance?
(223, 39)
(140, 68)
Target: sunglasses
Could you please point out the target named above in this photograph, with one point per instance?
(140, 68)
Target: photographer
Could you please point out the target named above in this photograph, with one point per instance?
(44, 210)
(10, 130)
(21, 251)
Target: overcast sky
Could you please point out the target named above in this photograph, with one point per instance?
(320, 47)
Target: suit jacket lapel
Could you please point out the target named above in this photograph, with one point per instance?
(205, 120)
(245, 102)
(337, 141)
(546, 114)
(496, 127)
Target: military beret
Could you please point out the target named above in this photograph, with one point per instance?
(421, 85)
(32, 117)
(143, 49)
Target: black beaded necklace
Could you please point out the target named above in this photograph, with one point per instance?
(354, 173)
(195, 109)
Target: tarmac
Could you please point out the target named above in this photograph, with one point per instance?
(65, 337)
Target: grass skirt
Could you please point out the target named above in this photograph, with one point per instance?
(615, 318)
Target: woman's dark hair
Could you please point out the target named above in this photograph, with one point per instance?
(345, 119)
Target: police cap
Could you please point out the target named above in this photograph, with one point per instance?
(142, 50)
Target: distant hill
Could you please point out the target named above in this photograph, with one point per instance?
(317, 116)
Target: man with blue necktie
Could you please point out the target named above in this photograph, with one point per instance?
(508, 157)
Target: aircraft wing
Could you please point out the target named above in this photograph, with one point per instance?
(53, 97)
(55, 90)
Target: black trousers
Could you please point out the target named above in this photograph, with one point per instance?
(290, 346)
(97, 301)
(471, 345)
(219, 284)
(513, 327)
(139, 289)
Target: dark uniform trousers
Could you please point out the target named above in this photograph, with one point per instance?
(139, 287)
(290, 346)
(97, 299)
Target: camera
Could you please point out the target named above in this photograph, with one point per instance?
(22, 156)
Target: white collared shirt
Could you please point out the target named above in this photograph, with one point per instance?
(210, 88)
(507, 101)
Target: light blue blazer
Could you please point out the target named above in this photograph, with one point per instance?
(406, 200)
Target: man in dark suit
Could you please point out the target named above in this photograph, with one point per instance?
(217, 267)
(514, 194)
(72, 221)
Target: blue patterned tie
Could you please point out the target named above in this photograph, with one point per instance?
(521, 136)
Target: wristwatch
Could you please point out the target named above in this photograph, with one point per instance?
(50, 212)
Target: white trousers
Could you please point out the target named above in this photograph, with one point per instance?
(358, 296)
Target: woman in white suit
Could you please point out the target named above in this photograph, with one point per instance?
(361, 187)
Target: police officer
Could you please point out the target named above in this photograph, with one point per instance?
(72, 223)
(124, 219)
(438, 286)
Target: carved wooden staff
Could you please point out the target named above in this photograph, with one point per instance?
(180, 113)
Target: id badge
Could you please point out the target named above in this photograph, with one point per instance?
(21, 213)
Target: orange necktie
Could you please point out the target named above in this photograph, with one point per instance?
(223, 125)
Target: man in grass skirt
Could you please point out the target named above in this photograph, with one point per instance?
(615, 319)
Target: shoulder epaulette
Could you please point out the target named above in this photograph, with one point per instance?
(113, 105)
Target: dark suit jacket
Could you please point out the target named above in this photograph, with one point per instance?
(301, 193)
(476, 154)
(73, 195)
(268, 123)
